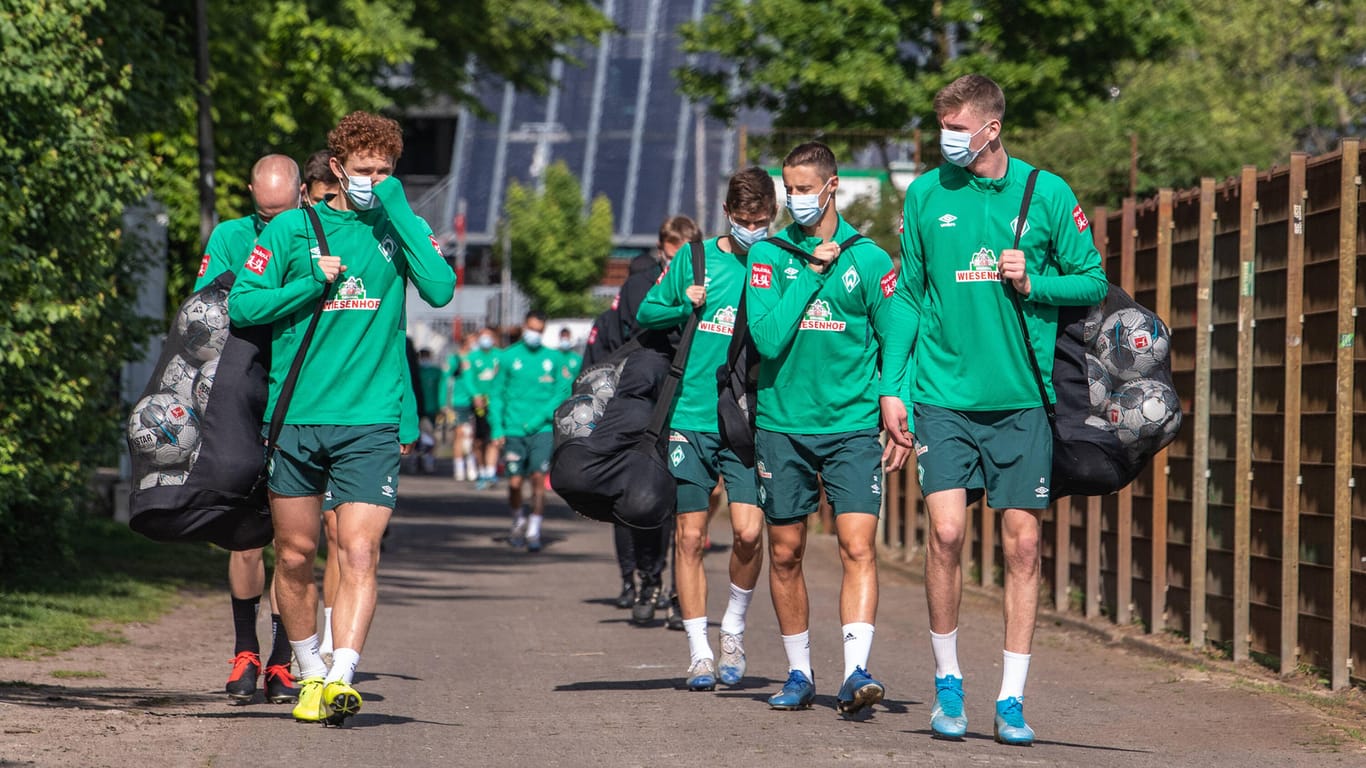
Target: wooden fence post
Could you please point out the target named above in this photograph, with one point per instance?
(1157, 597)
(1242, 484)
(1290, 472)
(1124, 528)
(1094, 589)
(1204, 319)
(1342, 473)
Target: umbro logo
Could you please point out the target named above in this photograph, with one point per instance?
(948, 220)
(790, 272)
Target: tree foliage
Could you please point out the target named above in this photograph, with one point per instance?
(68, 323)
(1254, 80)
(860, 65)
(558, 254)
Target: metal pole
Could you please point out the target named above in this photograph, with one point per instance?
(590, 150)
(647, 63)
(505, 290)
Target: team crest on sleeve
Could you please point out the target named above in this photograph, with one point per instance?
(1079, 218)
(259, 258)
(888, 283)
(203, 265)
(761, 276)
(435, 245)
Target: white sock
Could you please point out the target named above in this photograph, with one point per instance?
(470, 467)
(326, 646)
(798, 649)
(344, 661)
(698, 647)
(533, 527)
(459, 469)
(736, 608)
(310, 661)
(858, 645)
(945, 649)
(1014, 670)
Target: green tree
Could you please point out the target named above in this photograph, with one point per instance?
(872, 65)
(68, 323)
(879, 219)
(1254, 80)
(558, 254)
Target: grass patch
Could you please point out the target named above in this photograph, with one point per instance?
(70, 674)
(114, 577)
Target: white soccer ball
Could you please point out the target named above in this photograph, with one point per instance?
(163, 429)
(178, 377)
(577, 417)
(600, 383)
(1144, 410)
(202, 324)
(203, 384)
(1132, 344)
(1098, 379)
(167, 477)
(1090, 327)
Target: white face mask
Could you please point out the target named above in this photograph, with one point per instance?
(486, 342)
(956, 146)
(746, 238)
(361, 191)
(807, 209)
(532, 338)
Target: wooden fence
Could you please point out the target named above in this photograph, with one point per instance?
(1246, 533)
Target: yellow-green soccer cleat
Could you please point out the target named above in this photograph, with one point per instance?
(342, 700)
(311, 708)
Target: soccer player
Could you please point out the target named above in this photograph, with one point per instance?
(319, 182)
(524, 402)
(429, 380)
(341, 432)
(696, 456)
(957, 353)
(275, 188)
(817, 314)
(571, 363)
(478, 370)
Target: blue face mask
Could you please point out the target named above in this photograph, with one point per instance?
(807, 209)
(486, 342)
(361, 192)
(532, 338)
(956, 146)
(746, 238)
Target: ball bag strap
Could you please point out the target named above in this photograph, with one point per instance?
(1019, 308)
(660, 416)
(277, 417)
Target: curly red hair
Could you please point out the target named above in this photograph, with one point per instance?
(365, 132)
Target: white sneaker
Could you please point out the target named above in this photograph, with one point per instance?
(517, 537)
(732, 661)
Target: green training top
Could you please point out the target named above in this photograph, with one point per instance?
(667, 305)
(526, 391)
(478, 368)
(818, 335)
(570, 364)
(229, 245)
(956, 342)
(354, 372)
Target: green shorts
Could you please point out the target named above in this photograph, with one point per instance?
(527, 454)
(848, 463)
(697, 459)
(464, 414)
(1007, 453)
(347, 463)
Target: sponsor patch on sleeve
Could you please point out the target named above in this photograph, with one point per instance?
(203, 265)
(888, 283)
(761, 276)
(616, 301)
(258, 260)
(1079, 218)
(435, 245)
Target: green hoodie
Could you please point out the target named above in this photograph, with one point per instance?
(527, 390)
(818, 334)
(353, 373)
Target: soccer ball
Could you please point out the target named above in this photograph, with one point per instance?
(600, 384)
(1099, 423)
(163, 429)
(178, 378)
(1090, 327)
(203, 325)
(1132, 344)
(1098, 379)
(203, 384)
(577, 417)
(169, 477)
(1145, 410)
